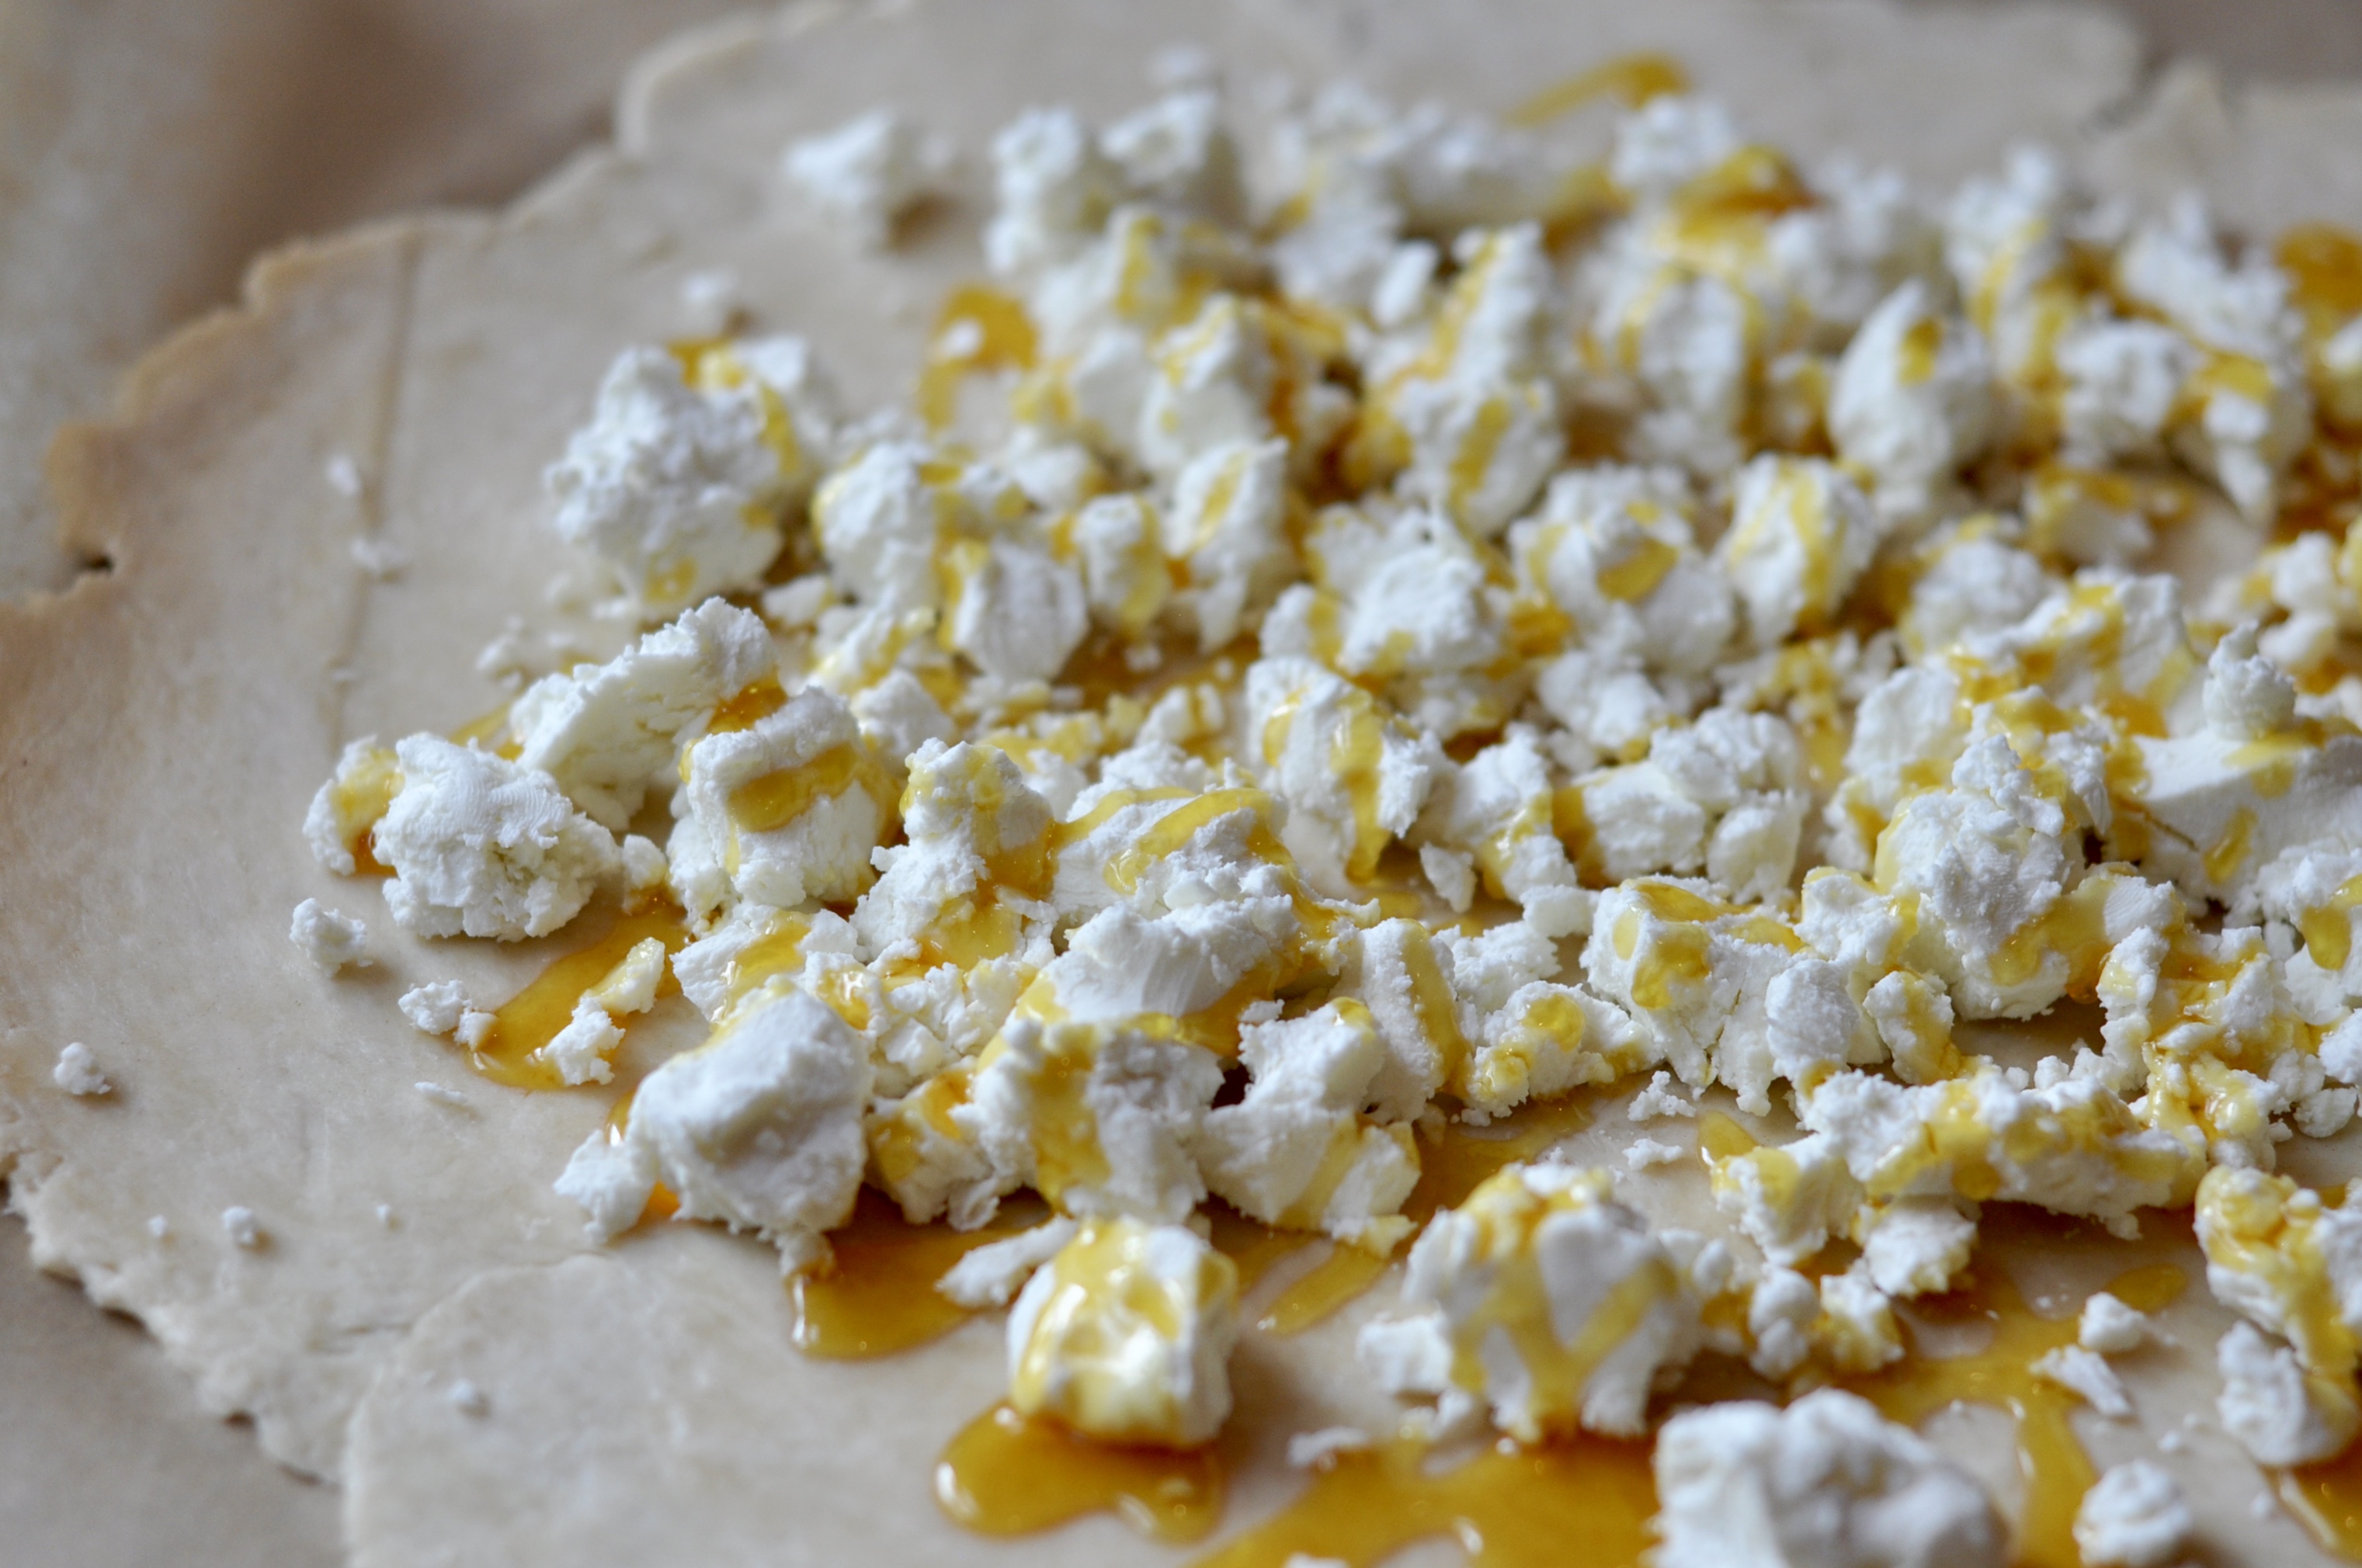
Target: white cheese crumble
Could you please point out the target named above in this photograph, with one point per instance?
(990, 1275)
(679, 484)
(1546, 1299)
(761, 1129)
(608, 733)
(434, 1007)
(783, 810)
(481, 847)
(1826, 1480)
(1296, 1151)
(1647, 1152)
(2110, 1327)
(1125, 1335)
(77, 1071)
(245, 1232)
(330, 940)
(2087, 1377)
(866, 173)
(2134, 1517)
(2280, 1414)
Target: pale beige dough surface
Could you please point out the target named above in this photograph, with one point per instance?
(149, 148)
(164, 725)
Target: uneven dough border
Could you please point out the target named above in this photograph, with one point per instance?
(2143, 136)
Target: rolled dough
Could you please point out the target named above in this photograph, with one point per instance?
(166, 720)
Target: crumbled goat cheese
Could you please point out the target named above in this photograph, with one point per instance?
(330, 940)
(344, 476)
(679, 484)
(349, 804)
(2110, 1327)
(2292, 1265)
(1421, 632)
(1098, 1119)
(607, 733)
(2134, 1517)
(866, 173)
(783, 810)
(990, 1275)
(2087, 1377)
(1913, 398)
(2279, 1413)
(480, 846)
(1827, 1480)
(245, 1232)
(1307, 1450)
(761, 1129)
(435, 1007)
(1510, 1290)
(610, 1178)
(1296, 1151)
(77, 1071)
(1660, 1100)
(1125, 1335)
(1647, 1152)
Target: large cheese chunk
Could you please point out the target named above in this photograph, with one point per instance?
(1125, 1335)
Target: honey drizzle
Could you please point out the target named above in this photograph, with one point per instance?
(482, 728)
(1002, 339)
(532, 1018)
(2326, 1500)
(2049, 1455)
(1008, 1474)
(877, 1295)
(1631, 79)
(1581, 1503)
(1450, 1167)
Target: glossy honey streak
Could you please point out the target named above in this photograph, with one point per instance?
(999, 336)
(1584, 1502)
(532, 1018)
(1008, 1474)
(1632, 80)
(877, 1296)
(2326, 1498)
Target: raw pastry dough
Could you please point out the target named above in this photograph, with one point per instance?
(165, 723)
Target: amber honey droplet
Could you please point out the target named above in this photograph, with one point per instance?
(2050, 1457)
(1008, 1474)
(755, 702)
(878, 1295)
(532, 1018)
(1721, 1137)
(1450, 1167)
(1584, 1502)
